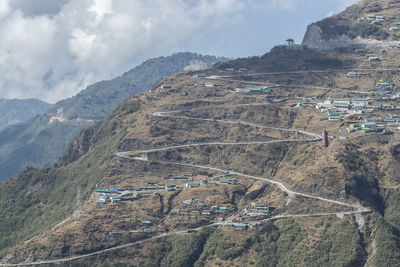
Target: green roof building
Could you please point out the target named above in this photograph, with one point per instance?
(289, 42)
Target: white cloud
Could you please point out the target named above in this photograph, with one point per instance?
(53, 52)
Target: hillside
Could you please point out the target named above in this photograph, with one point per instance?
(368, 22)
(18, 110)
(287, 159)
(40, 141)
(224, 175)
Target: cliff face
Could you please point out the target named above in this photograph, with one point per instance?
(315, 36)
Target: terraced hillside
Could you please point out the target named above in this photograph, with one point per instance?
(206, 171)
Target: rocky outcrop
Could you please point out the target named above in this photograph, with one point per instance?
(316, 37)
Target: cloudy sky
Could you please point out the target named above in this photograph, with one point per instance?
(52, 49)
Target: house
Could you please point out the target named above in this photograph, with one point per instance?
(382, 84)
(334, 118)
(200, 176)
(175, 211)
(360, 102)
(371, 59)
(187, 202)
(269, 90)
(242, 70)
(148, 188)
(180, 177)
(148, 230)
(255, 224)
(165, 86)
(394, 28)
(327, 102)
(115, 199)
(262, 208)
(209, 84)
(368, 125)
(229, 69)
(102, 191)
(382, 92)
(225, 181)
(352, 74)
(192, 184)
(289, 42)
(256, 91)
(151, 183)
(147, 222)
(224, 209)
(387, 106)
(371, 16)
(341, 101)
(205, 181)
(240, 225)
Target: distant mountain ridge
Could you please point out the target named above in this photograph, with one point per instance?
(18, 110)
(41, 140)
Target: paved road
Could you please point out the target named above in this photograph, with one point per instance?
(303, 72)
(314, 137)
(288, 86)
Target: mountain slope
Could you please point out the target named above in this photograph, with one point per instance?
(368, 22)
(41, 140)
(17, 110)
(361, 170)
(261, 189)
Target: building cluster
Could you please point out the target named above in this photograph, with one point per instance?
(194, 208)
(257, 211)
(116, 195)
(393, 25)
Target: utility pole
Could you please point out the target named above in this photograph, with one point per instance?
(78, 203)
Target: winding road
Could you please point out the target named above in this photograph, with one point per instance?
(130, 155)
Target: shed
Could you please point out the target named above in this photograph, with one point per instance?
(192, 184)
(289, 42)
(209, 84)
(180, 177)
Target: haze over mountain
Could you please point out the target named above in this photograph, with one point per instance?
(41, 140)
(17, 110)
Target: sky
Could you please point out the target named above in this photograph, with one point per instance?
(52, 49)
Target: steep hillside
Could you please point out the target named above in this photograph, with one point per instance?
(40, 141)
(368, 22)
(18, 110)
(208, 172)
